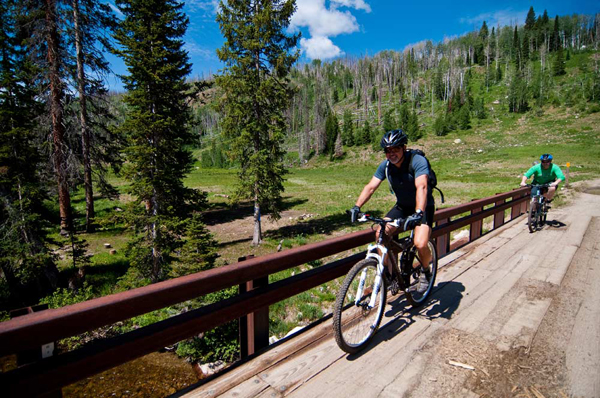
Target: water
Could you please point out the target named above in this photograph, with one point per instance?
(155, 375)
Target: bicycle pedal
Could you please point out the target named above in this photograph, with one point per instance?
(394, 287)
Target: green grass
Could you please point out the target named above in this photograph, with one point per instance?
(490, 158)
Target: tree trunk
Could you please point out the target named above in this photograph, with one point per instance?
(257, 236)
(83, 117)
(56, 110)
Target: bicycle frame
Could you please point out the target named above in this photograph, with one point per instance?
(379, 251)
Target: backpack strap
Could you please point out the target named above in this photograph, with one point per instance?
(411, 169)
(387, 177)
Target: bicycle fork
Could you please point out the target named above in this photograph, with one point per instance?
(371, 252)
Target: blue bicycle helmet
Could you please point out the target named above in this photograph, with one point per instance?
(546, 157)
(394, 138)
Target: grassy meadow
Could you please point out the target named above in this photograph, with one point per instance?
(487, 158)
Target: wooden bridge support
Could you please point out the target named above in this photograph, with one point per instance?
(254, 327)
(477, 226)
(442, 243)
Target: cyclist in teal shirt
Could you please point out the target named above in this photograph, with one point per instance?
(544, 173)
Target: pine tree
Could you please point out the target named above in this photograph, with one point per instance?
(332, 130)
(482, 39)
(92, 21)
(517, 94)
(530, 19)
(414, 131)
(516, 50)
(348, 129)
(555, 42)
(366, 134)
(257, 91)
(439, 126)
(558, 67)
(56, 64)
(464, 118)
(389, 121)
(26, 264)
(438, 84)
(525, 48)
(158, 133)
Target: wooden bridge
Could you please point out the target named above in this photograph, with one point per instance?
(471, 288)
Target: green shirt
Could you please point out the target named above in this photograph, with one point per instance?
(541, 176)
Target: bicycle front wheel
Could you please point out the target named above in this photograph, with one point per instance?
(420, 285)
(532, 218)
(359, 306)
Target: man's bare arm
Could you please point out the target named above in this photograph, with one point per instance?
(368, 191)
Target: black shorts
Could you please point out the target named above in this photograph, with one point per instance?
(405, 211)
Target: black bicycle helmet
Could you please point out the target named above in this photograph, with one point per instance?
(394, 138)
(546, 157)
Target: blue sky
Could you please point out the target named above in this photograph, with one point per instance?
(334, 28)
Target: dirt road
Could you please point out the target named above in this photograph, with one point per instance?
(514, 315)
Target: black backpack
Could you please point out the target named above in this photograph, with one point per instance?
(432, 180)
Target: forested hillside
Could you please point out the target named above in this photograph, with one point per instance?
(434, 88)
(84, 170)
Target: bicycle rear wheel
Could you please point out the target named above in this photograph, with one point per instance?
(413, 294)
(359, 306)
(533, 217)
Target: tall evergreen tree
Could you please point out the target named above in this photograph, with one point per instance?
(92, 22)
(389, 121)
(555, 42)
(517, 94)
(56, 64)
(530, 19)
(482, 39)
(525, 48)
(332, 130)
(558, 67)
(516, 49)
(348, 129)
(26, 264)
(257, 91)
(158, 131)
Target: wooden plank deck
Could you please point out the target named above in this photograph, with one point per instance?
(475, 288)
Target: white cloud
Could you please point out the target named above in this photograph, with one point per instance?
(492, 19)
(195, 50)
(357, 4)
(323, 22)
(320, 47)
(211, 6)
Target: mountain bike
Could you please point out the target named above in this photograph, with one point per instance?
(361, 300)
(538, 208)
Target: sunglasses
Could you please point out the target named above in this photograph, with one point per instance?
(392, 150)
(546, 161)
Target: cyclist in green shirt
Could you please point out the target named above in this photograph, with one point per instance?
(544, 173)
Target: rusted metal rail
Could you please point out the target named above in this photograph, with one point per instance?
(36, 329)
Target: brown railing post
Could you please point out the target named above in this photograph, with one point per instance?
(499, 217)
(35, 355)
(524, 205)
(442, 242)
(476, 227)
(515, 210)
(254, 327)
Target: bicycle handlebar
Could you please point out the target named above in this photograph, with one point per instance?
(398, 223)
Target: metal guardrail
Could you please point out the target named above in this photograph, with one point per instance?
(36, 329)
